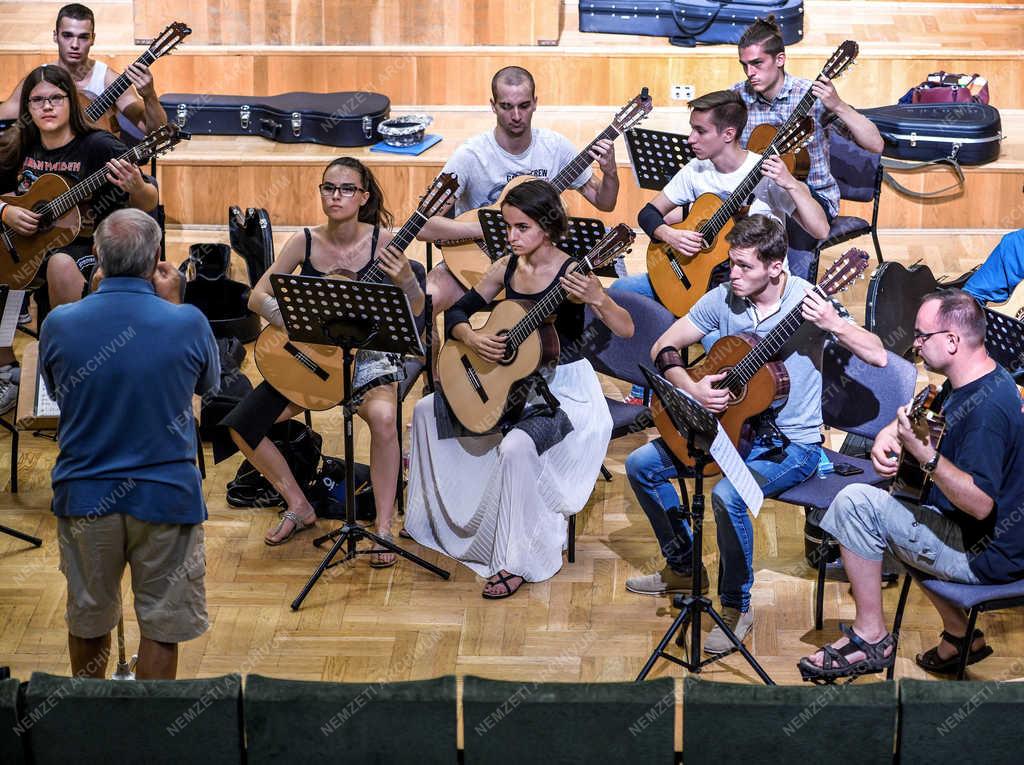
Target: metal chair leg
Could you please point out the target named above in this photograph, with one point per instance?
(965, 654)
(819, 592)
(897, 622)
(572, 539)
(605, 474)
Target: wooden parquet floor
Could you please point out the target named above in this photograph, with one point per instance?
(361, 624)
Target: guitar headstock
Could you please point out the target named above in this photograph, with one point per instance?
(158, 142)
(439, 195)
(633, 113)
(794, 139)
(615, 241)
(841, 60)
(169, 39)
(922, 401)
(844, 272)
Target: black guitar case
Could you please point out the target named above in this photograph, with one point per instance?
(252, 237)
(967, 132)
(894, 295)
(333, 119)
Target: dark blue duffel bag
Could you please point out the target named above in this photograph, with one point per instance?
(689, 22)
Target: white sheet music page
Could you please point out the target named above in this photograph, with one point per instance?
(9, 320)
(45, 406)
(736, 470)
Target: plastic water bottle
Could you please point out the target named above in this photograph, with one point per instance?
(825, 465)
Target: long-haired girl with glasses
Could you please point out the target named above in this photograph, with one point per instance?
(353, 234)
(52, 136)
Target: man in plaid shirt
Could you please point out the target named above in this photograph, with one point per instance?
(771, 95)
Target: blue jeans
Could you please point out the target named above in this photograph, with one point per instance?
(1002, 270)
(650, 470)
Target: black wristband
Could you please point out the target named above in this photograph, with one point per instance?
(649, 219)
(667, 358)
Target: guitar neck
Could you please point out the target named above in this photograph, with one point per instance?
(713, 225)
(803, 108)
(109, 96)
(564, 178)
(400, 241)
(62, 204)
(540, 310)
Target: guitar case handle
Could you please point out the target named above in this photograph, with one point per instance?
(950, 162)
(268, 128)
(688, 37)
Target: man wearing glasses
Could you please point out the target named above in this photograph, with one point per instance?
(74, 34)
(968, 529)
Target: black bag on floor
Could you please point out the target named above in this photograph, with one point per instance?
(328, 493)
(334, 119)
(223, 301)
(691, 22)
(253, 239)
(300, 446)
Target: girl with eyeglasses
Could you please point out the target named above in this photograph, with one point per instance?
(353, 234)
(52, 136)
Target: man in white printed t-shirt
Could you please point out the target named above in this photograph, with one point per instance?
(485, 163)
(721, 163)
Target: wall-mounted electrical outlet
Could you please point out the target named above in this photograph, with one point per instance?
(683, 92)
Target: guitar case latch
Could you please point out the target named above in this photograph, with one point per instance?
(243, 115)
(296, 124)
(368, 126)
(182, 115)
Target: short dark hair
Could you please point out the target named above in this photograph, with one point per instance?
(75, 11)
(763, 233)
(766, 33)
(726, 107)
(962, 311)
(512, 75)
(539, 201)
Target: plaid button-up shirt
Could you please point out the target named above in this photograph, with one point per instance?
(760, 111)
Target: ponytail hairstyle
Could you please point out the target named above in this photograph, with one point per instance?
(22, 136)
(766, 33)
(539, 201)
(373, 212)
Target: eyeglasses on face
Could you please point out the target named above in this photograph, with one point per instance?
(345, 189)
(923, 336)
(56, 100)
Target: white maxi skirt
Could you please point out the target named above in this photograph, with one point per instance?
(491, 502)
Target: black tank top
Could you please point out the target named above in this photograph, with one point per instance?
(308, 269)
(568, 316)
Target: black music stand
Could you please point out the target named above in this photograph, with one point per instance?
(352, 316)
(656, 156)
(582, 236)
(700, 428)
(1004, 341)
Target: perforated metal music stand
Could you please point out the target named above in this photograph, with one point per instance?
(352, 316)
(583, 234)
(656, 156)
(1004, 341)
(699, 427)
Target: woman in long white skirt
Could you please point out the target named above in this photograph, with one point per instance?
(499, 503)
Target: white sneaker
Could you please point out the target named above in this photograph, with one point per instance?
(739, 623)
(8, 395)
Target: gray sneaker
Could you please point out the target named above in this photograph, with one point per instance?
(665, 582)
(8, 395)
(741, 624)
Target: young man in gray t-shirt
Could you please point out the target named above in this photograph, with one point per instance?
(757, 297)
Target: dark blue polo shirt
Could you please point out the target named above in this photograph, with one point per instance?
(122, 365)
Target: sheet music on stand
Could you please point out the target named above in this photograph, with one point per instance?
(36, 410)
(12, 301)
(656, 156)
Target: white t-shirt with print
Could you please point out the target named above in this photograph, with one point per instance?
(699, 176)
(484, 168)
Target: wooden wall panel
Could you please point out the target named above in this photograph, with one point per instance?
(356, 22)
(462, 76)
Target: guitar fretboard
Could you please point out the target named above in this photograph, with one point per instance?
(399, 241)
(564, 178)
(106, 100)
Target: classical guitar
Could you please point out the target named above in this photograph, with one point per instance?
(480, 392)
(468, 259)
(756, 379)
(57, 203)
(911, 482)
(97, 105)
(310, 375)
(763, 136)
(1013, 306)
(680, 280)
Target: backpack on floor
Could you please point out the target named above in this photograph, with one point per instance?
(300, 445)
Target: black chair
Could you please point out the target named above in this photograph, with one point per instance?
(13, 746)
(861, 400)
(973, 598)
(859, 175)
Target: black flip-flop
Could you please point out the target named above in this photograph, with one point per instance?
(504, 582)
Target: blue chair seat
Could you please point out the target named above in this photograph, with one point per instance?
(627, 418)
(819, 492)
(846, 227)
(968, 596)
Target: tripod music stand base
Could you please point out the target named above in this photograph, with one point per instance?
(350, 534)
(34, 541)
(690, 607)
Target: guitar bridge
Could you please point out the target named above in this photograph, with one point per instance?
(678, 271)
(307, 362)
(474, 379)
